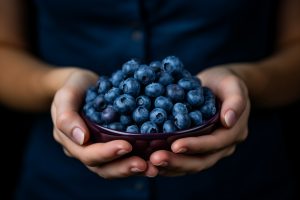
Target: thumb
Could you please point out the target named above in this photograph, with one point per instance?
(233, 95)
(65, 109)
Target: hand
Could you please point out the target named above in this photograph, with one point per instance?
(194, 154)
(71, 132)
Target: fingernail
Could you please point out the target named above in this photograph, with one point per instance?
(78, 135)
(181, 150)
(163, 164)
(122, 152)
(230, 118)
(136, 170)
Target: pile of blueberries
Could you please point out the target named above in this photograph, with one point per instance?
(162, 97)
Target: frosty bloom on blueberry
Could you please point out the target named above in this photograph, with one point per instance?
(162, 97)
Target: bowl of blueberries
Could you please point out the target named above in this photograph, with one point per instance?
(150, 106)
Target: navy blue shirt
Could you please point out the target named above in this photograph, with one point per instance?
(101, 35)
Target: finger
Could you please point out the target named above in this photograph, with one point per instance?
(230, 89)
(67, 153)
(121, 168)
(66, 104)
(219, 139)
(151, 171)
(94, 154)
(180, 164)
(233, 95)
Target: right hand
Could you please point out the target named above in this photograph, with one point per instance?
(72, 133)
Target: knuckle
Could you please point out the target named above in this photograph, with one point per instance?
(63, 119)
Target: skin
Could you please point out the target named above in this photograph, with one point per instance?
(27, 83)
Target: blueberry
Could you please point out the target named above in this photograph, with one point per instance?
(124, 103)
(186, 74)
(140, 115)
(155, 66)
(208, 110)
(175, 92)
(145, 74)
(144, 101)
(99, 103)
(104, 85)
(196, 117)
(195, 97)
(164, 103)
(130, 67)
(208, 95)
(188, 84)
(149, 127)
(117, 77)
(131, 86)
(112, 94)
(95, 117)
(172, 65)
(132, 129)
(109, 114)
(125, 120)
(116, 126)
(179, 108)
(169, 127)
(91, 94)
(182, 121)
(154, 90)
(158, 116)
(165, 78)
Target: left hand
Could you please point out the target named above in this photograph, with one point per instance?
(194, 154)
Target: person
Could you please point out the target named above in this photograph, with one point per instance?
(247, 52)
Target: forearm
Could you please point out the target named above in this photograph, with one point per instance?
(26, 82)
(273, 81)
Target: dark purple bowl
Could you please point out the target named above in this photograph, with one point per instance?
(145, 144)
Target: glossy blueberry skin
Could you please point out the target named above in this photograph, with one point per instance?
(99, 103)
(172, 65)
(91, 113)
(130, 67)
(182, 121)
(165, 78)
(164, 103)
(186, 74)
(104, 84)
(109, 114)
(179, 108)
(169, 127)
(124, 103)
(195, 97)
(208, 110)
(145, 74)
(126, 120)
(116, 126)
(175, 92)
(131, 86)
(149, 127)
(144, 101)
(188, 84)
(155, 66)
(196, 117)
(140, 115)
(208, 95)
(91, 94)
(132, 129)
(154, 90)
(117, 77)
(112, 94)
(158, 116)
